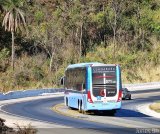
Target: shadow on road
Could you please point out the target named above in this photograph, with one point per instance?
(130, 113)
(119, 113)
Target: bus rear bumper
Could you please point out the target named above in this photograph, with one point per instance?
(103, 106)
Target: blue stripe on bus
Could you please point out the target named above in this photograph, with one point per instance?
(88, 78)
(117, 76)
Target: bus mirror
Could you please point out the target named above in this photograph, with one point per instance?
(62, 80)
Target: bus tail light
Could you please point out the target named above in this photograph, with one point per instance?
(119, 96)
(89, 97)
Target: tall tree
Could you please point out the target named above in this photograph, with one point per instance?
(114, 12)
(13, 20)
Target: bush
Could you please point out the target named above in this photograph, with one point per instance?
(26, 130)
(21, 78)
(20, 130)
(38, 73)
(4, 54)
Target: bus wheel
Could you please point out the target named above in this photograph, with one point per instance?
(67, 102)
(80, 106)
(84, 112)
(130, 97)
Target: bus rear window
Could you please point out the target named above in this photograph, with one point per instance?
(104, 81)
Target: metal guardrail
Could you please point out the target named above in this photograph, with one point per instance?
(27, 93)
(143, 86)
(37, 92)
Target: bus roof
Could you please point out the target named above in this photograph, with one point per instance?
(88, 64)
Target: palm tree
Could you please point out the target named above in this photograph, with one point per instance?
(13, 20)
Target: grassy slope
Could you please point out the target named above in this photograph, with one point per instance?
(155, 106)
(33, 71)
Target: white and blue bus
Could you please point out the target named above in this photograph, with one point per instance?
(93, 87)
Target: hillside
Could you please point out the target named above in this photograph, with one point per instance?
(42, 37)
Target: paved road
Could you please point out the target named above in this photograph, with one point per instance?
(127, 120)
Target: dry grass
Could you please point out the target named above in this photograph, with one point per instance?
(32, 72)
(155, 106)
(26, 130)
(19, 130)
(149, 73)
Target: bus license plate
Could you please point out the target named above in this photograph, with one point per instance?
(104, 104)
(105, 101)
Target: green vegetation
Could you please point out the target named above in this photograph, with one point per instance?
(19, 130)
(56, 33)
(155, 106)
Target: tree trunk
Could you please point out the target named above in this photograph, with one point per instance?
(13, 51)
(51, 62)
(114, 35)
(80, 42)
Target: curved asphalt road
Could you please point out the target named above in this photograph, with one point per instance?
(41, 110)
